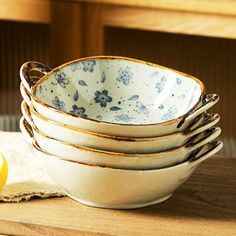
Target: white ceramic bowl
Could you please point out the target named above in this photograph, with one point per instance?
(26, 113)
(121, 189)
(67, 151)
(117, 96)
(25, 94)
(118, 144)
(26, 130)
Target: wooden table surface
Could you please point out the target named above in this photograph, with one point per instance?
(204, 205)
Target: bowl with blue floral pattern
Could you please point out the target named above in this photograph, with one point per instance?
(115, 95)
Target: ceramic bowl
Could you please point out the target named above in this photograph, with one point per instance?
(116, 95)
(26, 113)
(121, 189)
(25, 94)
(70, 152)
(26, 130)
(118, 144)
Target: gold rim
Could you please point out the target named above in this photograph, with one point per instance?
(33, 91)
(110, 152)
(117, 138)
(210, 146)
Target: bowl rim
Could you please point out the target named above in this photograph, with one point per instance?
(217, 145)
(103, 57)
(114, 137)
(182, 148)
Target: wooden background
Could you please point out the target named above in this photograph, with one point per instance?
(210, 59)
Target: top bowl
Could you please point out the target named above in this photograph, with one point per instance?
(114, 95)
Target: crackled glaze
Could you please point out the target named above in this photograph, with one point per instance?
(119, 91)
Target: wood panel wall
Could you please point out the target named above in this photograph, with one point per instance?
(19, 42)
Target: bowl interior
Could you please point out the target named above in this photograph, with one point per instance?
(119, 91)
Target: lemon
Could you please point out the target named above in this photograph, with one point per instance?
(3, 171)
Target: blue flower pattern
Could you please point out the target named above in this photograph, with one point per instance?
(40, 89)
(125, 75)
(76, 66)
(124, 117)
(61, 79)
(88, 65)
(134, 102)
(143, 109)
(160, 85)
(58, 103)
(178, 81)
(170, 114)
(78, 111)
(102, 97)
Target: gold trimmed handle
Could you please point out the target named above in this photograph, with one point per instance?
(26, 75)
(207, 122)
(203, 138)
(209, 101)
(204, 152)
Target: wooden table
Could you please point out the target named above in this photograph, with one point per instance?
(204, 205)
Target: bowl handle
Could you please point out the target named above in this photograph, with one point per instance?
(204, 152)
(208, 121)
(26, 130)
(29, 80)
(203, 138)
(209, 101)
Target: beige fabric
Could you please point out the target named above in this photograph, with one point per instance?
(26, 177)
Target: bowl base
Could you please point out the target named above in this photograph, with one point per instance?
(119, 206)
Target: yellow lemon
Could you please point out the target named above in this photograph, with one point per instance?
(3, 171)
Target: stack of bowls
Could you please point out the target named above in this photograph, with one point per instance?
(117, 132)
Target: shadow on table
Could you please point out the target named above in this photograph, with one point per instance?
(210, 193)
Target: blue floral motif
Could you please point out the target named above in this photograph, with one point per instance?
(61, 79)
(99, 117)
(125, 75)
(154, 74)
(76, 96)
(82, 83)
(115, 108)
(40, 88)
(178, 81)
(78, 111)
(160, 85)
(134, 97)
(76, 66)
(170, 114)
(102, 97)
(142, 108)
(58, 104)
(103, 77)
(88, 65)
(124, 117)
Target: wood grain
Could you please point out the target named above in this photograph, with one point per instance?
(204, 205)
(37, 11)
(19, 42)
(170, 21)
(66, 31)
(224, 7)
(92, 30)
